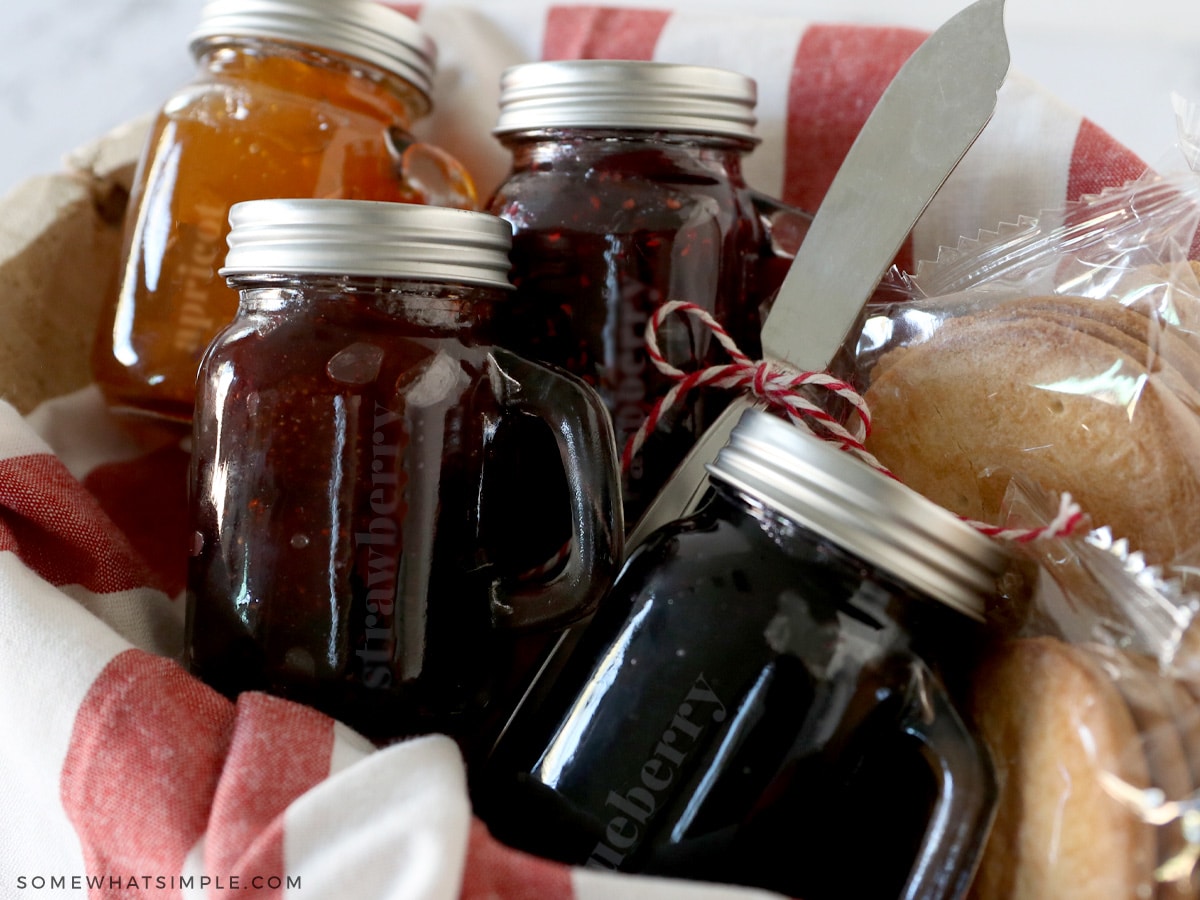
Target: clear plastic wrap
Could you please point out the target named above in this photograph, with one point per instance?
(1089, 700)
(1058, 358)
(1065, 348)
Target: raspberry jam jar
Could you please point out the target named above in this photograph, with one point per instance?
(626, 191)
(351, 478)
(765, 697)
(291, 98)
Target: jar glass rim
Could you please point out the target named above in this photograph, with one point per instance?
(365, 30)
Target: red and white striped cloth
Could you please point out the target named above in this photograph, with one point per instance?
(123, 777)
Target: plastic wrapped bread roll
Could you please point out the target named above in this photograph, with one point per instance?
(1060, 734)
(1059, 393)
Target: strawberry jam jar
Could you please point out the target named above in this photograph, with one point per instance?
(626, 191)
(291, 98)
(352, 484)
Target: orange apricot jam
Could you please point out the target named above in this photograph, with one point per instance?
(262, 119)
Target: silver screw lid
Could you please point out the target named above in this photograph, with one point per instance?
(885, 523)
(362, 29)
(626, 94)
(368, 238)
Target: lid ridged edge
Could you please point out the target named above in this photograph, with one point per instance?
(879, 519)
(368, 238)
(626, 94)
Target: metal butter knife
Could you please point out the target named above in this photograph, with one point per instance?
(927, 118)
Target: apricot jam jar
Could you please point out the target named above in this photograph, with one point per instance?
(352, 485)
(626, 191)
(291, 98)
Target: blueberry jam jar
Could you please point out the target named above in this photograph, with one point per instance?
(627, 191)
(767, 695)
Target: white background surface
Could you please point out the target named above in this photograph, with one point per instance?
(72, 69)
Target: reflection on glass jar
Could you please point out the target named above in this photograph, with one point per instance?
(290, 99)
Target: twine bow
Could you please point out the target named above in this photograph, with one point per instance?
(775, 383)
(780, 386)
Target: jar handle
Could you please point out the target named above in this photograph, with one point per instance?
(784, 225)
(784, 228)
(587, 448)
(963, 813)
(438, 177)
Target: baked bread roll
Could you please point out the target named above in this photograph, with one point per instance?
(1059, 730)
(1161, 348)
(1067, 402)
(1152, 701)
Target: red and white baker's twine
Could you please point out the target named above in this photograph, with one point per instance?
(779, 385)
(773, 382)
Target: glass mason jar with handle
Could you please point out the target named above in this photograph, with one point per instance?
(627, 191)
(760, 698)
(291, 98)
(351, 482)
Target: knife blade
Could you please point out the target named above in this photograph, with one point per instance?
(924, 122)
